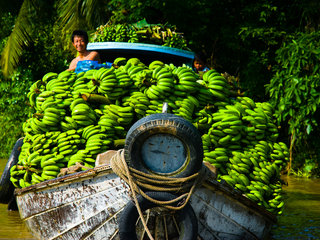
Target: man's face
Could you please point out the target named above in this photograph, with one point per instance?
(79, 43)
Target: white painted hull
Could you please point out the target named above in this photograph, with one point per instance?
(86, 205)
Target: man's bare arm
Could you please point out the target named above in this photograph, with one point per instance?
(73, 65)
(94, 56)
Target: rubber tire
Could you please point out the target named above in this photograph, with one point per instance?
(129, 216)
(168, 124)
(6, 186)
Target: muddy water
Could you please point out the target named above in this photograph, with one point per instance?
(301, 215)
(300, 218)
(11, 226)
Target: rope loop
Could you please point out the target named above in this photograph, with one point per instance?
(140, 182)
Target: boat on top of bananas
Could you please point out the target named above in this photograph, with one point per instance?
(239, 135)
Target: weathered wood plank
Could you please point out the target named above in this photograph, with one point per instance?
(50, 197)
(225, 216)
(87, 206)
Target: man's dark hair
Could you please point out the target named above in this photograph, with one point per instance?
(80, 33)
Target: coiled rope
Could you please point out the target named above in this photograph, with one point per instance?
(138, 180)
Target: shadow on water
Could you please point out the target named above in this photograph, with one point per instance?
(301, 215)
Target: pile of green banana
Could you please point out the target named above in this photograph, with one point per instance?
(156, 34)
(77, 116)
(241, 144)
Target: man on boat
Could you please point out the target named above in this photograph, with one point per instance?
(80, 41)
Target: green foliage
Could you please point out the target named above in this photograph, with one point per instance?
(46, 53)
(294, 90)
(13, 109)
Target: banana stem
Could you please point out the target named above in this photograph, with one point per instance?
(95, 98)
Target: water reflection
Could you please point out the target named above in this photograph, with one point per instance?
(301, 216)
(12, 226)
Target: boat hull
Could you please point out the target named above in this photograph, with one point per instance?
(87, 205)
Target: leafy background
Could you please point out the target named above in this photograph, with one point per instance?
(271, 47)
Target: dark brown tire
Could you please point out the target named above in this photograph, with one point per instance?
(187, 220)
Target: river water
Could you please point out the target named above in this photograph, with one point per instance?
(300, 218)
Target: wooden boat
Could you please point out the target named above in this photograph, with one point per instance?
(86, 205)
(89, 204)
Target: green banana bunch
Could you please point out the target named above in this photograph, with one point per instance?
(203, 119)
(35, 89)
(186, 81)
(98, 143)
(69, 142)
(83, 157)
(157, 34)
(122, 115)
(186, 108)
(139, 102)
(82, 113)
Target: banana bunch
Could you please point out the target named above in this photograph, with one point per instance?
(35, 89)
(206, 142)
(69, 142)
(83, 157)
(217, 85)
(68, 123)
(280, 154)
(109, 125)
(139, 102)
(48, 121)
(162, 83)
(21, 173)
(252, 172)
(106, 81)
(63, 82)
(122, 115)
(49, 76)
(119, 61)
(120, 34)
(186, 107)
(45, 98)
(34, 151)
(43, 144)
(204, 96)
(217, 157)
(227, 127)
(51, 165)
(186, 81)
(176, 41)
(124, 84)
(203, 120)
(156, 34)
(80, 85)
(133, 36)
(143, 79)
(260, 124)
(133, 67)
(82, 113)
(156, 63)
(98, 143)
